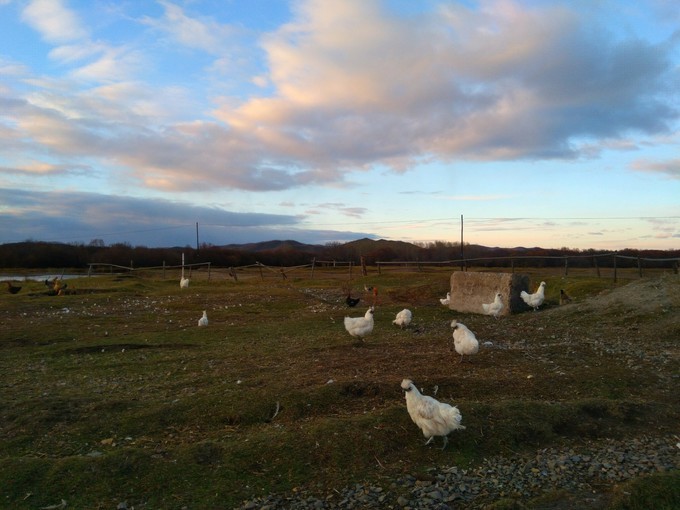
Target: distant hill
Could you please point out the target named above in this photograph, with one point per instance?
(359, 246)
(275, 245)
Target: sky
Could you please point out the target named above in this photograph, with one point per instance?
(167, 122)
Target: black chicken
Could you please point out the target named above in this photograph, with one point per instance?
(13, 289)
(351, 302)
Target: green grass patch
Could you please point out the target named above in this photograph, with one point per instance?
(114, 394)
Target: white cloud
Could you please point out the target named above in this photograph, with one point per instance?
(55, 22)
(203, 34)
(505, 81)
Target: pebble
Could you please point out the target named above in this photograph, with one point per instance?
(521, 477)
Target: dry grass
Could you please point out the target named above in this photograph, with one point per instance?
(114, 394)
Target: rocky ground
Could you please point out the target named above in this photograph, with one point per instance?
(642, 318)
(580, 472)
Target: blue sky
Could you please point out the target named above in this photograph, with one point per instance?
(542, 123)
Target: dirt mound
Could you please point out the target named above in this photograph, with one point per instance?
(645, 295)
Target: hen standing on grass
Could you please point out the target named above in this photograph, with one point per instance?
(495, 307)
(351, 302)
(434, 418)
(360, 327)
(536, 299)
(464, 340)
(564, 297)
(403, 318)
(203, 321)
(13, 289)
(447, 300)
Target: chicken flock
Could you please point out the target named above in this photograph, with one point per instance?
(432, 417)
(435, 418)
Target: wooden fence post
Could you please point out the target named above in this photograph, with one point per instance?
(615, 257)
(363, 266)
(597, 268)
(566, 266)
(313, 262)
(639, 266)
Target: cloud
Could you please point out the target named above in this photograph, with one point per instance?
(669, 168)
(79, 217)
(502, 80)
(53, 20)
(203, 34)
(42, 168)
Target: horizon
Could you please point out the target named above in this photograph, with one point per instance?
(541, 123)
(417, 244)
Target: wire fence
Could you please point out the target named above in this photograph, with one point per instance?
(610, 265)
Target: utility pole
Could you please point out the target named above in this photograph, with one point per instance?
(462, 253)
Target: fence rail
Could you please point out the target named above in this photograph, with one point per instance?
(346, 268)
(465, 263)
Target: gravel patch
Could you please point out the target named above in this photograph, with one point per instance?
(582, 470)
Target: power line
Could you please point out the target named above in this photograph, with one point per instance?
(500, 218)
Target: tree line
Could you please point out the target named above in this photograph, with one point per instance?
(41, 255)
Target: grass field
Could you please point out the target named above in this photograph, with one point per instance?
(114, 394)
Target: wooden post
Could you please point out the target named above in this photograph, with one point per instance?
(566, 266)
(512, 265)
(208, 271)
(379, 271)
(462, 255)
(639, 266)
(597, 268)
(615, 275)
(313, 262)
(363, 266)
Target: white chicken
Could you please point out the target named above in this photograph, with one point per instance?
(494, 308)
(360, 327)
(434, 418)
(536, 299)
(203, 321)
(447, 300)
(464, 340)
(183, 283)
(403, 318)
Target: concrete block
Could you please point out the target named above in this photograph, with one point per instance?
(469, 290)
